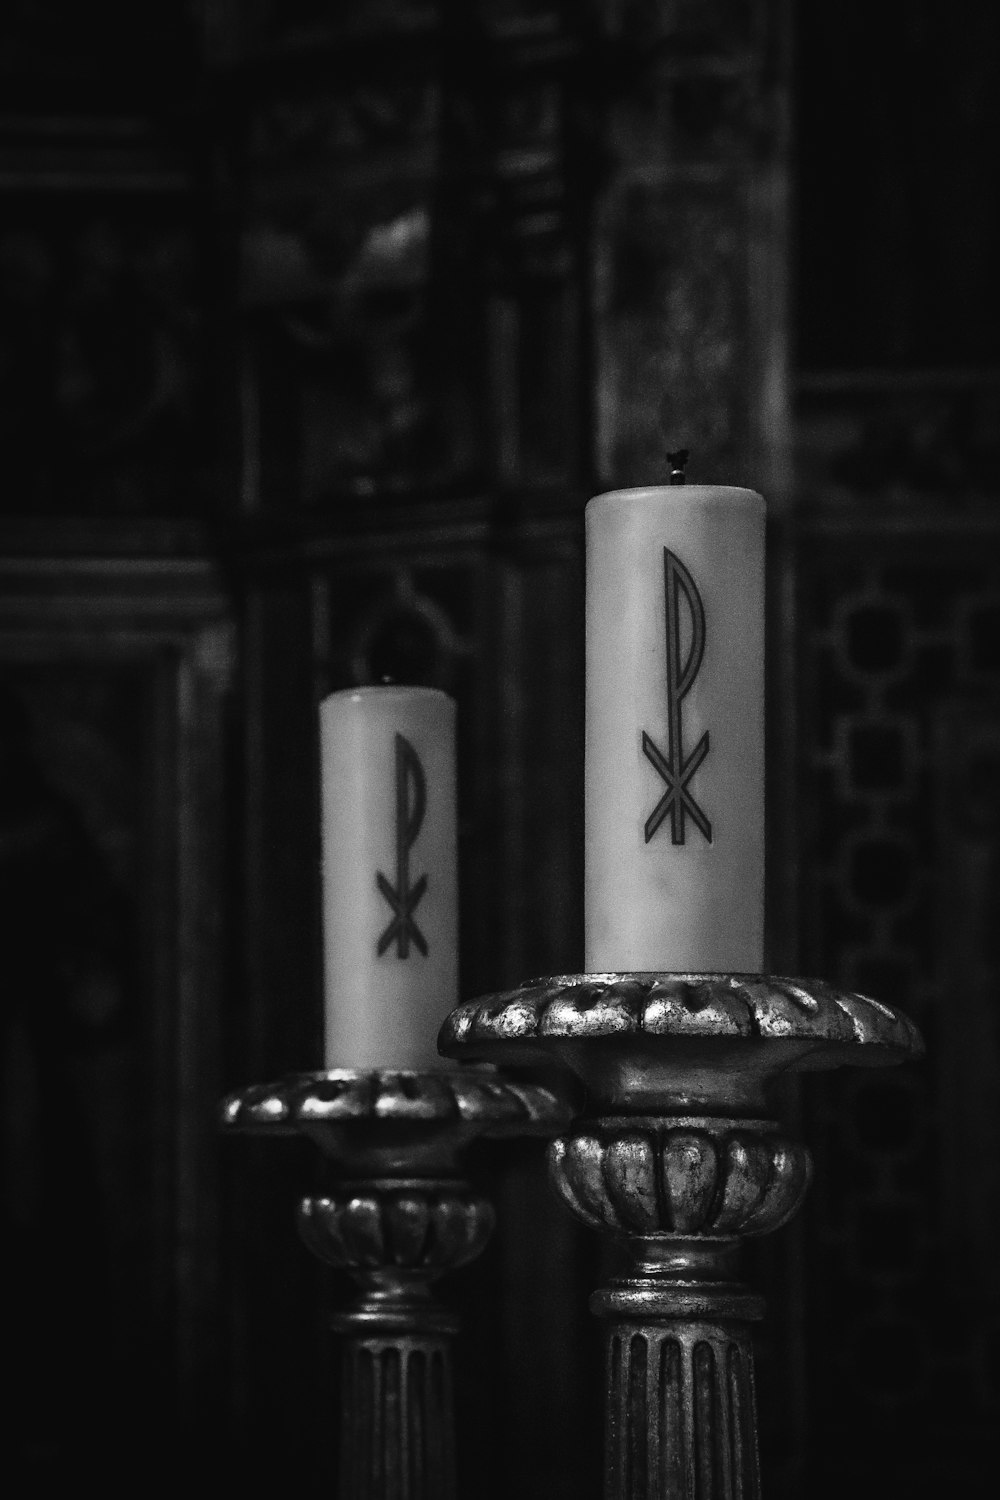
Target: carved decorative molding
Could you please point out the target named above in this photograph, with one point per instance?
(904, 442)
(697, 1006)
(463, 1099)
(424, 1226)
(644, 1176)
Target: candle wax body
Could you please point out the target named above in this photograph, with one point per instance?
(674, 775)
(390, 893)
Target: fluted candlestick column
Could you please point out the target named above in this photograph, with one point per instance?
(680, 1407)
(681, 1413)
(397, 1410)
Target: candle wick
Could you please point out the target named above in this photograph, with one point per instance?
(388, 680)
(677, 461)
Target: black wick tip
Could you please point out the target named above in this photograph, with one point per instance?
(677, 461)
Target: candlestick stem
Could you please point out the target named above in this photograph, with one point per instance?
(398, 1214)
(680, 1411)
(397, 1419)
(397, 1431)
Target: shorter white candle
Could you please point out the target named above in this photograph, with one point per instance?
(674, 776)
(390, 889)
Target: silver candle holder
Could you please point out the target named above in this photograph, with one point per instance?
(398, 1214)
(678, 1158)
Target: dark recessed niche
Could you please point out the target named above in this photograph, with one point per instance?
(897, 213)
(884, 1117)
(877, 760)
(880, 872)
(984, 634)
(875, 639)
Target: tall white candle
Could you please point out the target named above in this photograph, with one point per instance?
(674, 799)
(390, 891)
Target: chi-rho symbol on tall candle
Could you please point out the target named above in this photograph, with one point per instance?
(389, 875)
(674, 776)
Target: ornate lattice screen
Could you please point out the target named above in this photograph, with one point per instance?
(898, 813)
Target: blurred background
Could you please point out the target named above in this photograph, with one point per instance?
(320, 322)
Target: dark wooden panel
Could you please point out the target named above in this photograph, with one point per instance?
(898, 217)
(114, 690)
(103, 391)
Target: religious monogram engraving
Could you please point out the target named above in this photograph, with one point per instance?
(411, 804)
(676, 768)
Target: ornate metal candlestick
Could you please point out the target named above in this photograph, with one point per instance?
(398, 1215)
(678, 1158)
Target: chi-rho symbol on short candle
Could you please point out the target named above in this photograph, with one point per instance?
(674, 776)
(390, 903)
